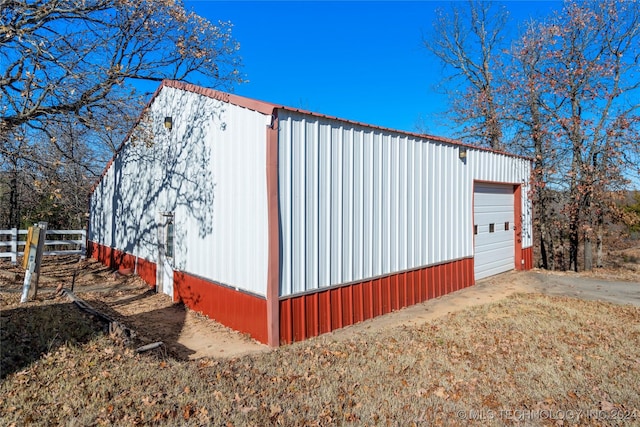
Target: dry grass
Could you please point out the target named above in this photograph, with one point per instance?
(518, 361)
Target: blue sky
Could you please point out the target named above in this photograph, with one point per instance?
(361, 60)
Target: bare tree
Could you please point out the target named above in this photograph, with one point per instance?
(569, 97)
(591, 95)
(468, 42)
(69, 66)
(68, 56)
(532, 129)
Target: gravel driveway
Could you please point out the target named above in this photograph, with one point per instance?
(585, 288)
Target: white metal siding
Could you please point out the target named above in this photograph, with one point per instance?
(210, 170)
(359, 202)
(493, 204)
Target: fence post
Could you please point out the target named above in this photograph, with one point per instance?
(83, 245)
(14, 246)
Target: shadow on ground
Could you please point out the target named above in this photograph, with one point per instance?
(27, 332)
(159, 322)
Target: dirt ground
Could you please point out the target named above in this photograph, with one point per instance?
(188, 335)
(151, 316)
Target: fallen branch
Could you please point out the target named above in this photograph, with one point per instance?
(116, 329)
(86, 307)
(149, 347)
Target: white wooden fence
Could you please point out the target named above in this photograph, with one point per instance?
(72, 241)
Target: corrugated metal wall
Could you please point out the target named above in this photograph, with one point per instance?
(359, 202)
(210, 172)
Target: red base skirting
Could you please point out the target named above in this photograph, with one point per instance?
(527, 257)
(117, 259)
(238, 310)
(312, 314)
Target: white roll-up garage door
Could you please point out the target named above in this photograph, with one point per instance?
(494, 242)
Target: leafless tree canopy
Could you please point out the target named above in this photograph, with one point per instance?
(468, 42)
(68, 56)
(66, 93)
(566, 92)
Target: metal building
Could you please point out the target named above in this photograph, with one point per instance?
(286, 224)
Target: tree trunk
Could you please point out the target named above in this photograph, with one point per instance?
(14, 211)
(574, 241)
(588, 253)
(551, 251)
(546, 246)
(544, 263)
(599, 238)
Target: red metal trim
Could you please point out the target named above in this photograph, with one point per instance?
(320, 312)
(241, 101)
(273, 206)
(312, 317)
(527, 256)
(404, 133)
(117, 259)
(324, 311)
(358, 304)
(238, 310)
(411, 289)
(268, 108)
(471, 272)
(367, 300)
(147, 271)
(393, 292)
(286, 323)
(298, 306)
(517, 219)
(347, 305)
(335, 309)
(453, 286)
(382, 292)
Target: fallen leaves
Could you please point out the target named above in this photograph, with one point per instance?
(440, 392)
(187, 411)
(467, 361)
(275, 409)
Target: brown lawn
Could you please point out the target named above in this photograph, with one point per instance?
(527, 359)
(497, 358)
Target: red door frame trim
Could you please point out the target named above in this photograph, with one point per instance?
(517, 214)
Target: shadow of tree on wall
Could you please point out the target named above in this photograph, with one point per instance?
(161, 170)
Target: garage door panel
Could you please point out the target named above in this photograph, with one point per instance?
(494, 258)
(493, 251)
(502, 244)
(490, 206)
